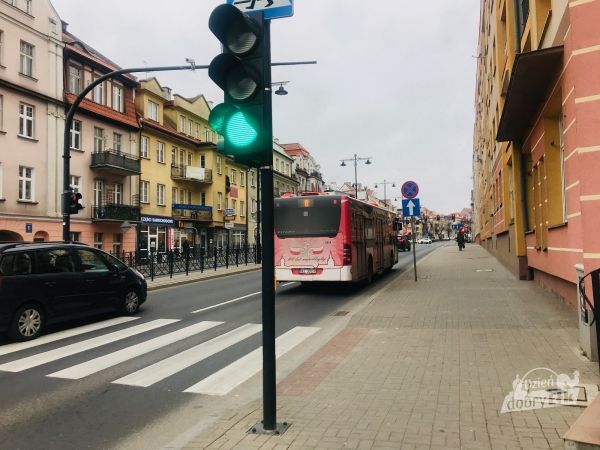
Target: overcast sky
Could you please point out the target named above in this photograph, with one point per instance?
(395, 80)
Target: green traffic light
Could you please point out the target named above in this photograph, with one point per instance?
(239, 132)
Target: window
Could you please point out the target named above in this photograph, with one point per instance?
(253, 206)
(190, 127)
(174, 156)
(219, 201)
(1, 46)
(117, 243)
(76, 134)
(197, 125)
(219, 165)
(98, 140)
(173, 196)
(152, 110)
(233, 176)
(190, 159)
(252, 178)
(144, 191)
(160, 151)
(97, 241)
(27, 6)
(92, 262)
(26, 120)
(98, 93)
(99, 199)
(242, 179)
(242, 208)
(75, 236)
(75, 80)
(189, 197)
(277, 165)
(160, 194)
(75, 183)
(118, 194)
(182, 124)
(26, 59)
(26, 184)
(234, 205)
(202, 197)
(144, 147)
(117, 99)
(202, 161)
(117, 140)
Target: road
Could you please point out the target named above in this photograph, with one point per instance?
(155, 380)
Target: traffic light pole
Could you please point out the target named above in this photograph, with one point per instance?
(69, 122)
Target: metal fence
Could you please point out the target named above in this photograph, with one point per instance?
(152, 264)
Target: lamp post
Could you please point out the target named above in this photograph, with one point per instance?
(356, 158)
(385, 183)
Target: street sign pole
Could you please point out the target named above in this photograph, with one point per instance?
(414, 239)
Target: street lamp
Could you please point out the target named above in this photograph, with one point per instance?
(356, 158)
(385, 183)
(280, 90)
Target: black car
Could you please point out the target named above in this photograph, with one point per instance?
(403, 242)
(45, 283)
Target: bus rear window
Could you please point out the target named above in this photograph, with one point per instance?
(307, 216)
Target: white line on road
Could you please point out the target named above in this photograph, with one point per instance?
(18, 346)
(225, 303)
(170, 366)
(78, 347)
(112, 359)
(226, 379)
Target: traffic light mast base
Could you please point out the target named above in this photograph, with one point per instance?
(259, 428)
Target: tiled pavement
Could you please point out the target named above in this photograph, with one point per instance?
(427, 366)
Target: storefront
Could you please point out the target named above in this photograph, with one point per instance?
(154, 234)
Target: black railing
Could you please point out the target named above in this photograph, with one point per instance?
(114, 159)
(155, 264)
(116, 212)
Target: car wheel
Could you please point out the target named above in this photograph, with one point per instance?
(131, 302)
(28, 323)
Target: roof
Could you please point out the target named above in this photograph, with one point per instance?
(295, 149)
(106, 112)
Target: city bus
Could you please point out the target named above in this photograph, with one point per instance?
(321, 237)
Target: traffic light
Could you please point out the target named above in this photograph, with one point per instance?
(71, 200)
(243, 71)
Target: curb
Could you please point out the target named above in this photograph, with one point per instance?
(190, 280)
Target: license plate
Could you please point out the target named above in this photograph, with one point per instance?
(308, 271)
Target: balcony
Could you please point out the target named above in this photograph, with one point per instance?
(116, 162)
(191, 173)
(113, 212)
(193, 212)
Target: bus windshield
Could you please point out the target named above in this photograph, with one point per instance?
(307, 216)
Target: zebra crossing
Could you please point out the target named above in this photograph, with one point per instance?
(220, 382)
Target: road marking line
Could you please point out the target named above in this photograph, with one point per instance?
(78, 347)
(112, 359)
(225, 303)
(287, 284)
(170, 366)
(228, 378)
(18, 346)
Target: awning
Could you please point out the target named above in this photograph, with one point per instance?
(532, 77)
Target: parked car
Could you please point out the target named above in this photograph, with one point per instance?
(425, 240)
(403, 242)
(45, 283)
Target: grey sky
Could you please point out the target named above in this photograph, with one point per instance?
(395, 79)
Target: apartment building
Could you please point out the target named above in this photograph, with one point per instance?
(31, 121)
(105, 164)
(306, 170)
(536, 152)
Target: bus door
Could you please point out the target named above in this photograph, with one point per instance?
(380, 243)
(360, 241)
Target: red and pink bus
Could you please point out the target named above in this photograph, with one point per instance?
(320, 237)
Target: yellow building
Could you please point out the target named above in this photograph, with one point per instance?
(186, 184)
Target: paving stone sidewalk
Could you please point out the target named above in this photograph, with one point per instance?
(177, 279)
(427, 365)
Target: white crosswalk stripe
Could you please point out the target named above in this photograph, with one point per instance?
(104, 362)
(18, 346)
(228, 378)
(170, 366)
(78, 347)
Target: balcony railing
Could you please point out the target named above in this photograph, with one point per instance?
(191, 173)
(115, 212)
(116, 162)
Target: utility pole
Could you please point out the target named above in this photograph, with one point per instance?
(355, 159)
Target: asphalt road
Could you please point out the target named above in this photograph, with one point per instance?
(112, 388)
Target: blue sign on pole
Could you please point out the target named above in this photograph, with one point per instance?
(411, 207)
(410, 189)
(272, 9)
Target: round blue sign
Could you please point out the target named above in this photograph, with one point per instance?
(410, 189)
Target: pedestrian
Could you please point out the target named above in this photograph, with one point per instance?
(460, 239)
(186, 247)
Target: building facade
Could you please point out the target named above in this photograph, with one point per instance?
(31, 121)
(306, 170)
(536, 143)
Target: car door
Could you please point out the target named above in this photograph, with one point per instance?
(62, 285)
(101, 283)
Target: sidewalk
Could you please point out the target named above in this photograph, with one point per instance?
(427, 365)
(164, 281)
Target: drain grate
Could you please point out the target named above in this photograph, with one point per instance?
(340, 313)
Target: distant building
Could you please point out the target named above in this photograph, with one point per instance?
(306, 170)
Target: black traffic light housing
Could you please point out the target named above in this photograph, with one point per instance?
(71, 200)
(243, 72)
